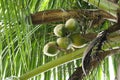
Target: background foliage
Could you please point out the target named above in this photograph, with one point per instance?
(21, 42)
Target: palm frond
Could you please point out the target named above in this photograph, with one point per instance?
(21, 42)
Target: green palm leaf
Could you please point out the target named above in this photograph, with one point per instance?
(21, 42)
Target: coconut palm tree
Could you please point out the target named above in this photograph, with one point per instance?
(26, 26)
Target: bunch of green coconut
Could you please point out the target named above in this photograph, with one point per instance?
(69, 37)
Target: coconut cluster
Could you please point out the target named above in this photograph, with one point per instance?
(68, 38)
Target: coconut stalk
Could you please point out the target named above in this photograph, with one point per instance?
(62, 60)
(107, 10)
(49, 16)
(68, 57)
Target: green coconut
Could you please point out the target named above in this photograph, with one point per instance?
(60, 30)
(50, 49)
(77, 40)
(71, 25)
(64, 43)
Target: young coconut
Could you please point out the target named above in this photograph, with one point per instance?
(71, 25)
(77, 40)
(64, 43)
(50, 49)
(60, 30)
